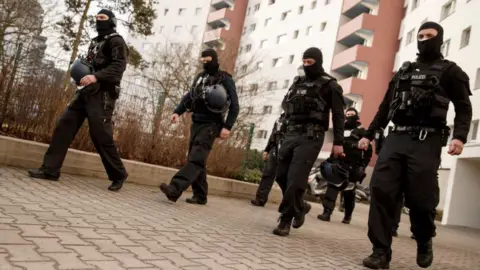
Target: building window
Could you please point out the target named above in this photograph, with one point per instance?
(254, 87)
(448, 9)
(244, 30)
(327, 2)
(248, 11)
(198, 10)
(477, 80)
(290, 59)
(268, 21)
(473, 131)
(272, 85)
(248, 47)
(181, 11)
(263, 43)
(309, 30)
(286, 83)
(313, 5)
(271, 2)
(160, 29)
(465, 37)
(277, 62)
(177, 28)
(240, 50)
(165, 12)
(410, 36)
(295, 34)
(244, 69)
(281, 38)
(257, 7)
(285, 15)
(194, 29)
(445, 48)
(300, 9)
(259, 65)
(323, 26)
(252, 27)
(249, 110)
(262, 134)
(414, 4)
(267, 109)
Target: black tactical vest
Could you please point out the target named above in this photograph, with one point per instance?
(350, 144)
(419, 99)
(197, 93)
(95, 54)
(304, 102)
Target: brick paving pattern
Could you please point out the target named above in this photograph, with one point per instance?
(77, 224)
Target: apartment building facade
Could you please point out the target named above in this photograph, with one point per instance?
(458, 176)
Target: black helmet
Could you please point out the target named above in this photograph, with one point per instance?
(335, 173)
(79, 69)
(216, 98)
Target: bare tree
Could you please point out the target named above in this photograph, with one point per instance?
(141, 17)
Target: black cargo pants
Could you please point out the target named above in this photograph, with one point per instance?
(268, 177)
(97, 107)
(296, 157)
(202, 137)
(406, 165)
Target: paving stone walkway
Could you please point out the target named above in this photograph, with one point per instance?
(77, 224)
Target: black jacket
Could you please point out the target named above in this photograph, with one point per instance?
(456, 82)
(202, 115)
(111, 62)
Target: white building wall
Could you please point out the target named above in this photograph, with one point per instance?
(464, 15)
(323, 21)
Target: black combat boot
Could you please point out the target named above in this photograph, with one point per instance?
(347, 219)
(424, 254)
(170, 191)
(283, 228)
(378, 260)
(257, 202)
(40, 174)
(117, 184)
(195, 200)
(298, 221)
(325, 216)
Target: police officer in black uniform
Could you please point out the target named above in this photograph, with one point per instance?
(307, 106)
(270, 166)
(212, 94)
(416, 102)
(356, 160)
(107, 60)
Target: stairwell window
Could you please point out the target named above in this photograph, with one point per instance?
(257, 7)
(177, 28)
(477, 80)
(286, 84)
(295, 34)
(290, 60)
(465, 37)
(445, 48)
(181, 11)
(281, 38)
(197, 11)
(277, 62)
(410, 36)
(473, 131)
(248, 47)
(268, 21)
(263, 43)
(259, 65)
(414, 4)
(165, 12)
(272, 85)
(300, 9)
(194, 29)
(252, 27)
(285, 15)
(267, 109)
(313, 5)
(271, 2)
(448, 9)
(309, 31)
(323, 26)
(327, 2)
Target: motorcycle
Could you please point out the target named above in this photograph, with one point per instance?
(317, 186)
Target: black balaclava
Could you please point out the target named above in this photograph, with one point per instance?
(430, 49)
(352, 121)
(108, 26)
(212, 66)
(315, 70)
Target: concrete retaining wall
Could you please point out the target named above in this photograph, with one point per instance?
(28, 154)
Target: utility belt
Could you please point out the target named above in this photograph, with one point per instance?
(311, 130)
(421, 133)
